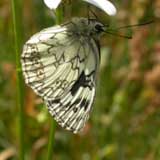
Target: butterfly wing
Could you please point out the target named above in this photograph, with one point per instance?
(50, 63)
(62, 70)
(72, 110)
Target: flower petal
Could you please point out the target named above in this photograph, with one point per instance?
(52, 4)
(104, 5)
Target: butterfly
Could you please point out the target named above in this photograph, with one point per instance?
(60, 64)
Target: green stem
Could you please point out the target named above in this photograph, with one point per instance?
(51, 140)
(17, 27)
(59, 17)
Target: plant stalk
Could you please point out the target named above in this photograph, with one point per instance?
(51, 140)
(17, 28)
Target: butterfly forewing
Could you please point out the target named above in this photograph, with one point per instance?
(52, 62)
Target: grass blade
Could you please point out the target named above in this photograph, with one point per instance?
(17, 27)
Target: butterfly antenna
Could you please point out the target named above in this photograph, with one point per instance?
(136, 25)
(114, 31)
(92, 12)
(119, 35)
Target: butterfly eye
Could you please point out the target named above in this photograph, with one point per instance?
(99, 28)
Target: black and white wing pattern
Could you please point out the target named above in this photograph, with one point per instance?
(72, 110)
(49, 62)
(61, 68)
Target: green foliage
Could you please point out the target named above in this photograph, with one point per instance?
(124, 123)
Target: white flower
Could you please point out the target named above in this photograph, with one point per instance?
(52, 4)
(104, 5)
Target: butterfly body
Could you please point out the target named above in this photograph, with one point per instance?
(60, 64)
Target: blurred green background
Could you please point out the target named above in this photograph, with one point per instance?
(125, 121)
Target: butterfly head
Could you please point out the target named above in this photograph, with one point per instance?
(97, 27)
(88, 27)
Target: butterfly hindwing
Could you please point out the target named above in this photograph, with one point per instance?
(72, 110)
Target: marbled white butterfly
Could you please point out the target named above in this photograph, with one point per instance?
(60, 64)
